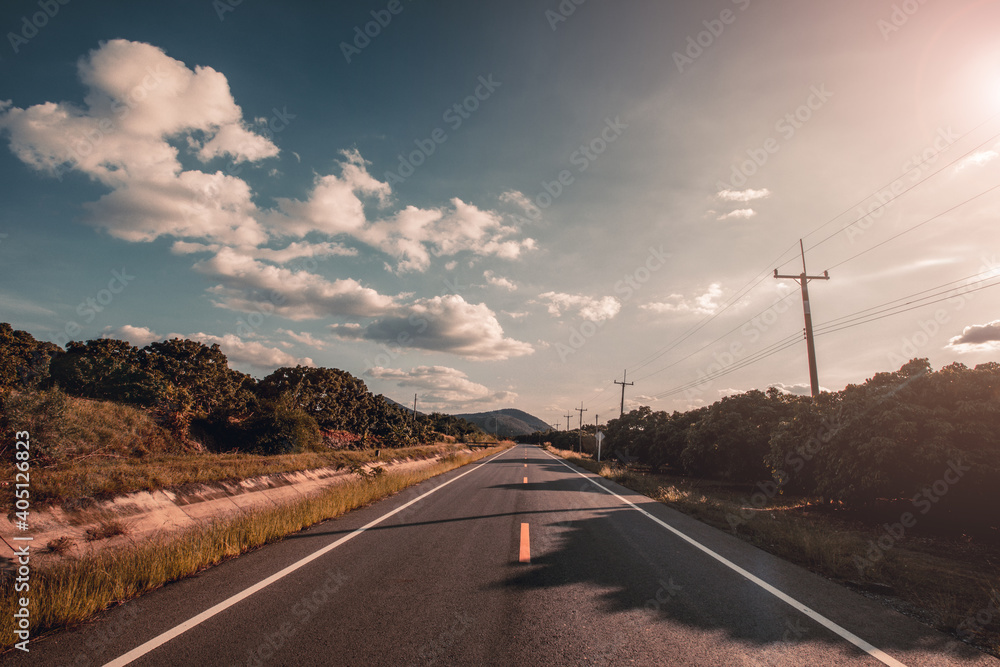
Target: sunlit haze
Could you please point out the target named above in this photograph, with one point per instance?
(497, 205)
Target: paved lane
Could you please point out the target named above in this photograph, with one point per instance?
(441, 581)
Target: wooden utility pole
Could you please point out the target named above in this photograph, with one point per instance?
(581, 410)
(414, 407)
(567, 421)
(803, 280)
(623, 383)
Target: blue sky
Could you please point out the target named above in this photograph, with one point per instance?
(505, 205)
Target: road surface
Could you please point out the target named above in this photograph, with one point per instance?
(520, 559)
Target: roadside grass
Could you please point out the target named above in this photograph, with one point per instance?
(114, 475)
(941, 582)
(84, 448)
(75, 589)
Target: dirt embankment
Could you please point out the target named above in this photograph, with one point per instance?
(84, 526)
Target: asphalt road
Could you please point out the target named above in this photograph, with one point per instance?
(443, 580)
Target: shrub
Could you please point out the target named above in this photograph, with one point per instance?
(283, 432)
(42, 414)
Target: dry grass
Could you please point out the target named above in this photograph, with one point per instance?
(106, 530)
(59, 546)
(73, 590)
(114, 475)
(942, 583)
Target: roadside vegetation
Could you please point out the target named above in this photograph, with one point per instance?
(74, 589)
(107, 418)
(890, 487)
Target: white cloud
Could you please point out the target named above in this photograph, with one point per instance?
(412, 235)
(741, 213)
(138, 336)
(442, 386)
(304, 338)
(978, 159)
(441, 324)
(702, 304)
(137, 98)
(743, 195)
(595, 310)
(237, 350)
(143, 107)
(977, 338)
(248, 284)
(520, 200)
(800, 389)
(499, 281)
(254, 353)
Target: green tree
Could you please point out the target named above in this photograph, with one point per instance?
(24, 361)
(208, 386)
(108, 369)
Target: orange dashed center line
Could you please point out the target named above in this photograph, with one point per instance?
(525, 556)
(525, 480)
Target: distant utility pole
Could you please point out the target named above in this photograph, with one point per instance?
(803, 281)
(581, 410)
(414, 407)
(623, 383)
(567, 421)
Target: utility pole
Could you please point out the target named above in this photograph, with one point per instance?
(623, 383)
(414, 407)
(803, 280)
(567, 421)
(581, 410)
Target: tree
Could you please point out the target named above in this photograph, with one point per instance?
(108, 369)
(24, 361)
(732, 438)
(335, 398)
(203, 375)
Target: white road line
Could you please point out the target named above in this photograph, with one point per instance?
(165, 637)
(876, 653)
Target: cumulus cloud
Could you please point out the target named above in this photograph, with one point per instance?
(247, 284)
(137, 99)
(743, 195)
(412, 235)
(499, 281)
(304, 337)
(149, 130)
(441, 324)
(801, 389)
(702, 304)
(441, 386)
(589, 308)
(138, 336)
(142, 108)
(741, 213)
(977, 338)
(237, 350)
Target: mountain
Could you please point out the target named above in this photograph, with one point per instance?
(508, 422)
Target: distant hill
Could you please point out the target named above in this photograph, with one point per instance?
(508, 422)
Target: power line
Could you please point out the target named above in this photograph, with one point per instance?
(875, 316)
(760, 277)
(742, 292)
(708, 345)
(921, 224)
(784, 344)
(889, 184)
(968, 280)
